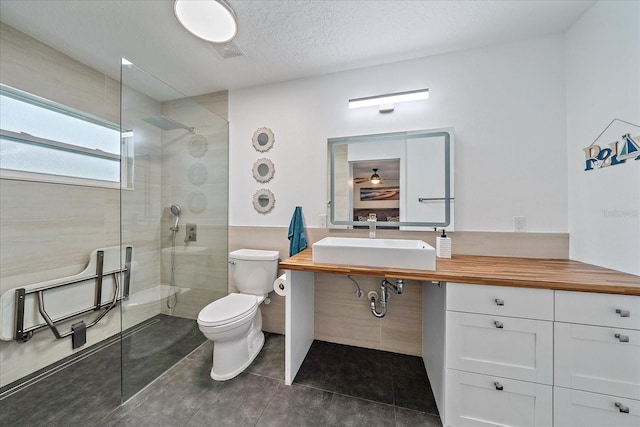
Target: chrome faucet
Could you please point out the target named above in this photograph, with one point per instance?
(372, 228)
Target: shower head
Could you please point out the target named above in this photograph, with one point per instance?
(175, 211)
(166, 123)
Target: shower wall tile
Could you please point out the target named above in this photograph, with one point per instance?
(197, 181)
(216, 102)
(32, 66)
(72, 223)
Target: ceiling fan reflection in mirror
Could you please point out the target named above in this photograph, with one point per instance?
(374, 179)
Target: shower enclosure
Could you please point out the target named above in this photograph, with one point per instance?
(174, 198)
(101, 281)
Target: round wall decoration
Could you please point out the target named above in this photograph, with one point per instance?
(197, 174)
(198, 145)
(263, 201)
(263, 170)
(263, 139)
(197, 201)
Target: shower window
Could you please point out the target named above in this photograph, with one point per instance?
(44, 141)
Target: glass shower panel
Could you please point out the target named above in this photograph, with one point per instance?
(174, 216)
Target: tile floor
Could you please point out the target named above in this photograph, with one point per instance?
(337, 385)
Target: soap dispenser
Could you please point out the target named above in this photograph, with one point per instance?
(443, 246)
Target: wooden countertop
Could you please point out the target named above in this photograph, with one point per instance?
(486, 270)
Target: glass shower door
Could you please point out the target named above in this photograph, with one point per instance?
(174, 204)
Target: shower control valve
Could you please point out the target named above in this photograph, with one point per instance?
(191, 234)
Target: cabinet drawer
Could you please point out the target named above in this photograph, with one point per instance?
(482, 400)
(501, 301)
(619, 311)
(505, 346)
(591, 358)
(573, 408)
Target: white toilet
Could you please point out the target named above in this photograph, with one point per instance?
(234, 323)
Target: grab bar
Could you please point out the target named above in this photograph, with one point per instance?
(25, 334)
(433, 199)
(127, 273)
(52, 324)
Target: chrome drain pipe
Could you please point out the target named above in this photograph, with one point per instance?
(384, 296)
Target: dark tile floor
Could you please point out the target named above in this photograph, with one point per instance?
(337, 386)
(83, 389)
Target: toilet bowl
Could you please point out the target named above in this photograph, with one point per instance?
(234, 323)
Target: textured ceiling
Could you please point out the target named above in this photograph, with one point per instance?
(281, 40)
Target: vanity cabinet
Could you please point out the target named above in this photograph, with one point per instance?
(499, 356)
(597, 359)
(533, 352)
(488, 400)
(510, 347)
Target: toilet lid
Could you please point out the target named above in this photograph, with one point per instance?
(228, 309)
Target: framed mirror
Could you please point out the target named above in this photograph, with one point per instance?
(404, 180)
(263, 139)
(263, 170)
(263, 201)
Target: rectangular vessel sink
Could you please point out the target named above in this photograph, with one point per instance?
(385, 253)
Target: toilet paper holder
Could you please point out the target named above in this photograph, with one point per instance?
(280, 285)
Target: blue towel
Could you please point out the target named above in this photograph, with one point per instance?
(297, 240)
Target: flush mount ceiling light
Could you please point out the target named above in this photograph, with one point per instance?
(375, 178)
(210, 20)
(386, 102)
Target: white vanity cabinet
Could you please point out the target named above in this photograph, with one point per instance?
(498, 356)
(597, 359)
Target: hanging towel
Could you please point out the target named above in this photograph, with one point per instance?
(297, 240)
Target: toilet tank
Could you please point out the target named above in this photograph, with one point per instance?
(253, 270)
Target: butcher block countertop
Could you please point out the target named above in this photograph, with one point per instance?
(557, 274)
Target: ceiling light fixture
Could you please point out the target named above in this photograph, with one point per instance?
(375, 178)
(210, 20)
(386, 102)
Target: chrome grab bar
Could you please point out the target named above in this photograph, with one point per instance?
(433, 199)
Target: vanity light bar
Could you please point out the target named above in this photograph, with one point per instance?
(389, 99)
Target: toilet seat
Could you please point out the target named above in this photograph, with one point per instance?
(227, 310)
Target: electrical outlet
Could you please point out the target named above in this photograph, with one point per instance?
(519, 223)
(323, 220)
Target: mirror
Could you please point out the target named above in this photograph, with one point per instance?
(263, 170)
(263, 139)
(263, 201)
(404, 180)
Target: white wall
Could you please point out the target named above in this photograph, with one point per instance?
(506, 103)
(603, 83)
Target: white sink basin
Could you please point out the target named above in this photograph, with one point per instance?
(385, 253)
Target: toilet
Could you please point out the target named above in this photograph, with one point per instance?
(234, 323)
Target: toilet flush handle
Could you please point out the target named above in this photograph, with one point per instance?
(232, 262)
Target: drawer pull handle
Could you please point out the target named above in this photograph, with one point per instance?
(622, 408)
(499, 387)
(623, 313)
(622, 338)
(499, 301)
(498, 324)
